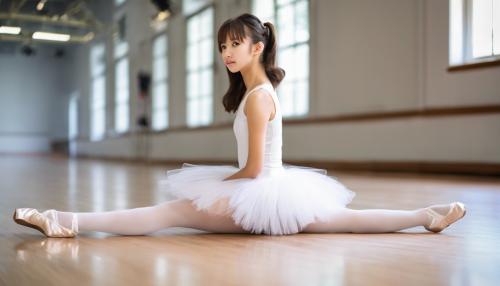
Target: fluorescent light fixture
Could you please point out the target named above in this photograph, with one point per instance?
(51, 36)
(163, 15)
(89, 36)
(10, 30)
(40, 5)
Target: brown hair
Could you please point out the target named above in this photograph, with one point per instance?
(236, 29)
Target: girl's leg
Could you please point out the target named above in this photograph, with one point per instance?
(140, 221)
(372, 220)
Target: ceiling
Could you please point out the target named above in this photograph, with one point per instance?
(72, 17)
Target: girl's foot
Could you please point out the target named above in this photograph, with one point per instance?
(46, 222)
(441, 216)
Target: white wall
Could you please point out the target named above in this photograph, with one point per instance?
(32, 100)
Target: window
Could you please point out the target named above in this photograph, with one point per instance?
(474, 30)
(73, 123)
(121, 95)
(160, 83)
(291, 19)
(264, 10)
(121, 79)
(191, 6)
(98, 92)
(200, 60)
(73, 117)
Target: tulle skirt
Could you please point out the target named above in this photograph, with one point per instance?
(282, 201)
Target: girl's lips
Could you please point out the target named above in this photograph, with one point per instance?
(230, 63)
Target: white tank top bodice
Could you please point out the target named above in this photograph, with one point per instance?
(273, 141)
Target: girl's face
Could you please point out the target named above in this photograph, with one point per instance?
(236, 55)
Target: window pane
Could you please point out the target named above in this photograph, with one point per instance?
(192, 57)
(160, 68)
(193, 29)
(302, 98)
(159, 120)
(73, 117)
(98, 92)
(121, 80)
(121, 49)
(482, 24)
(192, 112)
(286, 16)
(121, 118)
(207, 55)
(283, 2)
(193, 89)
(301, 21)
(264, 10)
(287, 62)
(200, 58)
(206, 82)
(123, 96)
(97, 60)
(206, 110)
(301, 64)
(286, 98)
(160, 46)
(496, 27)
(160, 96)
(98, 123)
(191, 6)
(456, 32)
(293, 29)
(206, 24)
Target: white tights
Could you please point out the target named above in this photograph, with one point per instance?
(181, 213)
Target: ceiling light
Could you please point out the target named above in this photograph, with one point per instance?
(162, 15)
(10, 30)
(51, 36)
(89, 36)
(40, 5)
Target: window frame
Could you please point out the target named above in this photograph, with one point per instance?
(466, 61)
(200, 70)
(94, 78)
(117, 104)
(121, 51)
(156, 82)
(293, 47)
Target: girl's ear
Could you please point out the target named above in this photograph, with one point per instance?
(258, 48)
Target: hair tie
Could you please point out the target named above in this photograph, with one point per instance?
(268, 31)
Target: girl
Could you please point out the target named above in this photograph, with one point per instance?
(263, 195)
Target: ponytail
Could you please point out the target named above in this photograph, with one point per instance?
(274, 73)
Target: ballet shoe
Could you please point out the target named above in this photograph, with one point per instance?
(440, 222)
(45, 222)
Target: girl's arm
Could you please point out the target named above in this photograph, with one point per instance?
(259, 108)
(242, 173)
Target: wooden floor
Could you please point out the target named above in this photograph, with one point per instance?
(467, 253)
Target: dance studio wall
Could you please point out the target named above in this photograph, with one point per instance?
(33, 99)
(366, 57)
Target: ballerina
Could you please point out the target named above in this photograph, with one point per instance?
(260, 196)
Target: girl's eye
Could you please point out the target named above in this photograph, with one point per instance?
(234, 44)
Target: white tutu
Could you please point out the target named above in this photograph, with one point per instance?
(280, 203)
